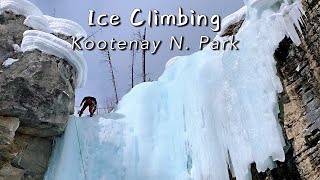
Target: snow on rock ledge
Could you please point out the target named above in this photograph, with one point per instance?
(64, 26)
(50, 44)
(9, 62)
(43, 40)
(20, 7)
(36, 20)
(232, 19)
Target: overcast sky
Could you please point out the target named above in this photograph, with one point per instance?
(99, 84)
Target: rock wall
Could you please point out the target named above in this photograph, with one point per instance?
(36, 99)
(299, 70)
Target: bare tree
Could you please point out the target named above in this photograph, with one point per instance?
(93, 34)
(54, 12)
(144, 75)
(113, 79)
(141, 37)
(132, 67)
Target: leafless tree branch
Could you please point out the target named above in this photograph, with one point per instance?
(112, 69)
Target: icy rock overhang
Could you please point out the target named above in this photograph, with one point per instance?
(50, 44)
(42, 38)
(290, 13)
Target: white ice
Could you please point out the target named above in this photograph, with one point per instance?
(102, 157)
(289, 12)
(9, 62)
(208, 112)
(172, 60)
(50, 44)
(262, 4)
(40, 38)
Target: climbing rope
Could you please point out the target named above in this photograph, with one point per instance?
(75, 122)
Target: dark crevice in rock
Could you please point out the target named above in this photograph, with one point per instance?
(282, 51)
(313, 138)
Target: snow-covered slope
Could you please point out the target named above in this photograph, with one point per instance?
(208, 112)
(43, 40)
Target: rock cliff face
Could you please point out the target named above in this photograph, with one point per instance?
(36, 98)
(299, 70)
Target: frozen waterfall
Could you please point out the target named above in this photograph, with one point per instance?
(209, 112)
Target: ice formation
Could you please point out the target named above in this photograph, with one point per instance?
(209, 112)
(42, 38)
(9, 62)
(172, 60)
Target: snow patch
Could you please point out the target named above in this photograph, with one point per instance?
(50, 44)
(232, 19)
(64, 26)
(16, 48)
(38, 23)
(9, 62)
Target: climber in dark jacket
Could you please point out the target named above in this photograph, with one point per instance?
(88, 101)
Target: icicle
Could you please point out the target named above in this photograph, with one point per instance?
(292, 19)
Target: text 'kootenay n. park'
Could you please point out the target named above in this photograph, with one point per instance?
(155, 19)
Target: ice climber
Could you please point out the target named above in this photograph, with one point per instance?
(88, 101)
